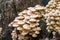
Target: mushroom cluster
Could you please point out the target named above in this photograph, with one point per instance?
(28, 20)
(14, 35)
(52, 15)
(53, 5)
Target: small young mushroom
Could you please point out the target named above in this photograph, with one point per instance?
(34, 35)
(37, 32)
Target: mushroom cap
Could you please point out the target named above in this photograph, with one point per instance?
(37, 32)
(32, 9)
(26, 21)
(29, 12)
(40, 8)
(34, 35)
(24, 33)
(51, 27)
(27, 17)
(26, 26)
(15, 25)
(19, 28)
(11, 24)
(20, 14)
(57, 18)
(52, 22)
(37, 5)
(21, 22)
(32, 20)
(34, 24)
(24, 12)
(58, 28)
(20, 17)
(52, 18)
(16, 20)
(58, 22)
(35, 16)
(36, 29)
